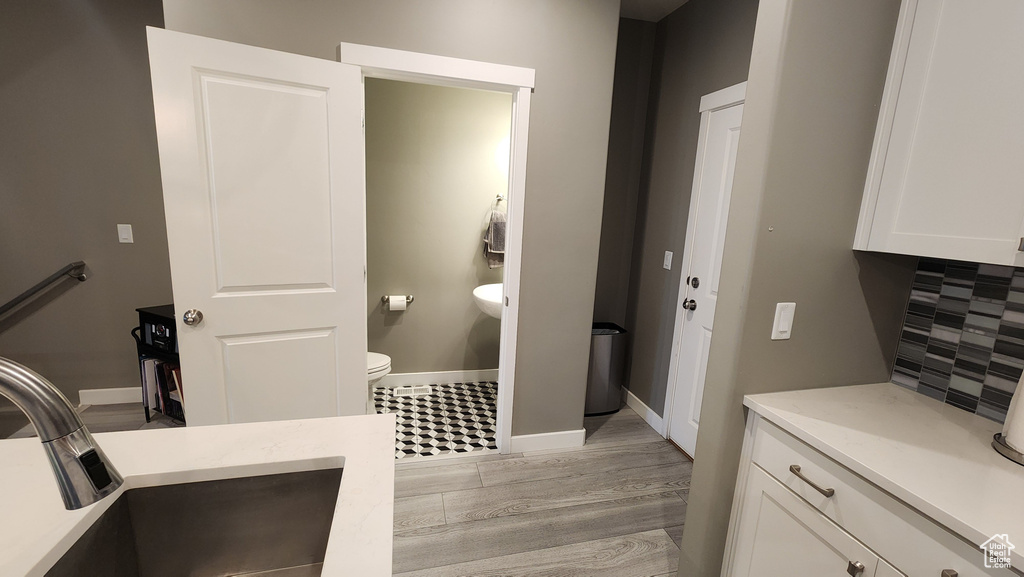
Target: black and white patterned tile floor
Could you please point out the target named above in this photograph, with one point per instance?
(453, 418)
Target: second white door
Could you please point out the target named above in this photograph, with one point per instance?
(721, 113)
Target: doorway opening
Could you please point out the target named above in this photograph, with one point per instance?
(437, 160)
(446, 159)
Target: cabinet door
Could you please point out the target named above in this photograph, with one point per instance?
(946, 177)
(780, 535)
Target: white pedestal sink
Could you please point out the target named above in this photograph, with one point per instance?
(488, 297)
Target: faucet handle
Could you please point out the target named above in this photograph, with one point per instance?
(95, 469)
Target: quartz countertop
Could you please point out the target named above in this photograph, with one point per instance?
(36, 529)
(934, 457)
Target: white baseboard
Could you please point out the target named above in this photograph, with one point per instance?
(403, 379)
(110, 396)
(645, 412)
(548, 441)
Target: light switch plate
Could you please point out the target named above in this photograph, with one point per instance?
(782, 329)
(667, 265)
(124, 234)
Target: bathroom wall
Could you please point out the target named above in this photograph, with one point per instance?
(633, 62)
(816, 75)
(963, 335)
(78, 156)
(436, 158)
(571, 45)
(702, 47)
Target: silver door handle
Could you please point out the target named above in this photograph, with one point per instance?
(690, 304)
(855, 568)
(795, 469)
(192, 317)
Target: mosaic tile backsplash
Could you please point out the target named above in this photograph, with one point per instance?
(963, 335)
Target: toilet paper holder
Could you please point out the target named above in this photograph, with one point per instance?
(384, 300)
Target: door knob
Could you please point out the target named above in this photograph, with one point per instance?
(695, 282)
(690, 304)
(192, 317)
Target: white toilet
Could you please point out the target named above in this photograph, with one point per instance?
(377, 367)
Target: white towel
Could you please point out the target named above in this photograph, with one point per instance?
(494, 234)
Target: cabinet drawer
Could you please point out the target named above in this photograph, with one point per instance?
(780, 535)
(910, 541)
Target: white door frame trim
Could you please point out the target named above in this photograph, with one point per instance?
(442, 70)
(724, 98)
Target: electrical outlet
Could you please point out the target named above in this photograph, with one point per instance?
(782, 329)
(124, 234)
(668, 260)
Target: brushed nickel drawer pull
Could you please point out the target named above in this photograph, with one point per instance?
(795, 469)
(855, 567)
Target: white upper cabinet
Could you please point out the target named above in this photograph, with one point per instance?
(946, 177)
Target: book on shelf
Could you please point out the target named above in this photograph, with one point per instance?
(149, 390)
(161, 385)
(176, 373)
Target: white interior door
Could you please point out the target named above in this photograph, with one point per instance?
(261, 156)
(701, 267)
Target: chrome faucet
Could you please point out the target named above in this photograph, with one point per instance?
(84, 474)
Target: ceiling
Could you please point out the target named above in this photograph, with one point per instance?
(649, 10)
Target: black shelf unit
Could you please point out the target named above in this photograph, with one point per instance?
(156, 340)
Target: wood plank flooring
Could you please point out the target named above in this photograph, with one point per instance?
(107, 418)
(615, 507)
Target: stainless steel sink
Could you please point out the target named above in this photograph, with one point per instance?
(272, 525)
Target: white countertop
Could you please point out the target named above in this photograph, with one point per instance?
(36, 530)
(936, 458)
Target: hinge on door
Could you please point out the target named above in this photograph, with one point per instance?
(362, 119)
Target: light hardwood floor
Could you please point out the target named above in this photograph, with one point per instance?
(104, 419)
(614, 507)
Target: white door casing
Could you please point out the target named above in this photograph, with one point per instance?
(406, 66)
(721, 113)
(262, 162)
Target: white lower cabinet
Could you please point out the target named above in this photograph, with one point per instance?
(799, 513)
(780, 535)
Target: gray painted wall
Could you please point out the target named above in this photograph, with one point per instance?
(77, 156)
(571, 45)
(431, 177)
(633, 61)
(816, 77)
(702, 47)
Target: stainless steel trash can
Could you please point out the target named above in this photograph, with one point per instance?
(608, 346)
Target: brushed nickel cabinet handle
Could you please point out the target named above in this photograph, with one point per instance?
(949, 573)
(855, 567)
(795, 469)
